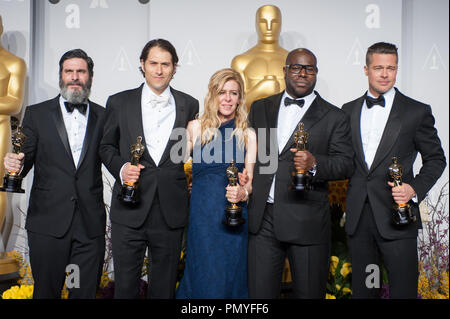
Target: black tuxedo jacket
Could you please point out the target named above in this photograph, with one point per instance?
(300, 219)
(58, 186)
(409, 130)
(167, 179)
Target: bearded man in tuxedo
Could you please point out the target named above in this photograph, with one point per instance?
(66, 215)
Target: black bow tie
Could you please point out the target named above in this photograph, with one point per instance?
(370, 101)
(288, 101)
(80, 107)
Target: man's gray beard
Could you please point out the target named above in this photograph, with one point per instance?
(75, 96)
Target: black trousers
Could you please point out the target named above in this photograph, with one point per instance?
(50, 256)
(309, 264)
(367, 248)
(129, 246)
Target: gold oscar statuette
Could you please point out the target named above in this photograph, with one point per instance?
(12, 182)
(402, 214)
(129, 192)
(233, 212)
(301, 178)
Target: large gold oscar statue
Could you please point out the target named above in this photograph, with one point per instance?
(12, 81)
(261, 67)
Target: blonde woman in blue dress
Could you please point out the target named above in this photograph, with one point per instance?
(216, 255)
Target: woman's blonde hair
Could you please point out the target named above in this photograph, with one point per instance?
(210, 121)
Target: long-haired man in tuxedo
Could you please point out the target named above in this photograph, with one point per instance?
(153, 111)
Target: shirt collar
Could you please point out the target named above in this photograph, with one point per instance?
(389, 93)
(147, 93)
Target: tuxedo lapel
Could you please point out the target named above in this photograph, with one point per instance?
(390, 133)
(60, 127)
(92, 123)
(180, 121)
(134, 113)
(272, 109)
(314, 114)
(356, 132)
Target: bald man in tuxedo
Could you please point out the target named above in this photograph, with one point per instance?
(282, 221)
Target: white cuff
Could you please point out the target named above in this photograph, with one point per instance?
(245, 199)
(313, 170)
(120, 173)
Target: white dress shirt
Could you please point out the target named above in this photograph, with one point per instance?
(158, 118)
(288, 119)
(75, 124)
(373, 122)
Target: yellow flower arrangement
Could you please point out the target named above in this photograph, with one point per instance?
(105, 279)
(26, 282)
(444, 284)
(339, 279)
(65, 292)
(433, 247)
(182, 255)
(181, 265)
(337, 193)
(188, 171)
(19, 292)
(346, 269)
(346, 291)
(26, 277)
(432, 285)
(334, 261)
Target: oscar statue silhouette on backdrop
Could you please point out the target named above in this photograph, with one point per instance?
(12, 81)
(261, 67)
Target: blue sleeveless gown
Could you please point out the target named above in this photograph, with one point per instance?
(216, 256)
